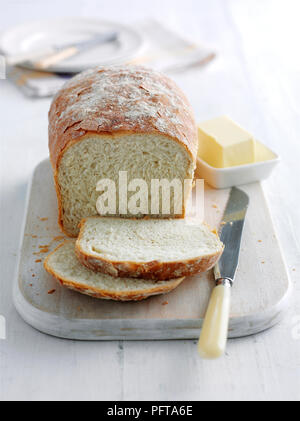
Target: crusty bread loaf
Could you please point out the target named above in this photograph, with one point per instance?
(64, 266)
(158, 249)
(108, 120)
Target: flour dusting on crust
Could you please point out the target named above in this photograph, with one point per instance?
(117, 99)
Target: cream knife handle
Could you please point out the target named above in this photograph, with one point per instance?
(213, 339)
(55, 58)
(19, 59)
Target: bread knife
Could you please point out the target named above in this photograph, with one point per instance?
(213, 338)
(43, 58)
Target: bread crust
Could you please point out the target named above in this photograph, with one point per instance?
(109, 295)
(116, 101)
(155, 270)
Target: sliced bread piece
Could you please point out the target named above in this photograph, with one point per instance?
(65, 267)
(148, 249)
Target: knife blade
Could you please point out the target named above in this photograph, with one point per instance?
(231, 234)
(60, 52)
(213, 339)
(91, 42)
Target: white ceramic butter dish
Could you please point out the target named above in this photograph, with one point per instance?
(222, 178)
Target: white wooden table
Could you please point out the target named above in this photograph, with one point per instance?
(256, 81)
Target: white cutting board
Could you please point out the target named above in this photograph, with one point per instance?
(260, 294)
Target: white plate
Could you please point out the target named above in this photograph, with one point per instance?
(43, 34)
(223, 178)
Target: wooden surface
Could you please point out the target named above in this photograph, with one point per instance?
(259, 300)
(255, 80)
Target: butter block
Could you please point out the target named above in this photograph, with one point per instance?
(262, 153)
(223, 143)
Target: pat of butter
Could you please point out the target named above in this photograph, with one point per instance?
(223, 143)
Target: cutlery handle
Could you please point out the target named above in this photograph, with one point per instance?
(213, 339)
(55, 58)
(21, 58)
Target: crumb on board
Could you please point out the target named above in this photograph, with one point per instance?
(33, 275)
(43, 249)
(38, 261)
(215, 206)
(263, 262)
(43, 219)
(165, 303)
(260, 241)
(52, 291)
(31, 285)
(58, 238)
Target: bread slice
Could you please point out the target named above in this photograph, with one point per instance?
(158, 249)
(65, 267)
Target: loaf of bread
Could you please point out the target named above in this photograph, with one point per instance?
(108, 120)
(63, 265)
(157, 249)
